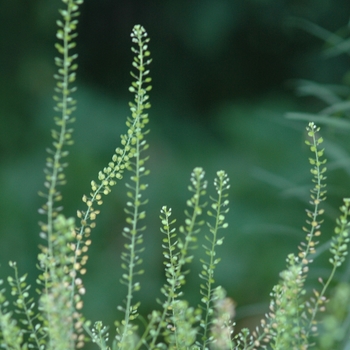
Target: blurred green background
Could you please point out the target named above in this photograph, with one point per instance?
(223, 73)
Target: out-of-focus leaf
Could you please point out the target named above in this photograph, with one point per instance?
(338, 49)
(327, 93)
(314, 29)
(320, 119)
(338, 156)
(336, 108)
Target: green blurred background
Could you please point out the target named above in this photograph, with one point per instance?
(223, 77)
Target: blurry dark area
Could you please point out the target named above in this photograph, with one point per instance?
(222, 73)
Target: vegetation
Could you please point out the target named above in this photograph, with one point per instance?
(297, 318)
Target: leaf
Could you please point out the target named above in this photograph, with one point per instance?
(336, 108)
(320, 119)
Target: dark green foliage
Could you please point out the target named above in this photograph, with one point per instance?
(54, 319)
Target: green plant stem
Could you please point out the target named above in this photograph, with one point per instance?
(134, 230)
(211, 265)
(26, 311)
(318, 200)
(175, 275)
